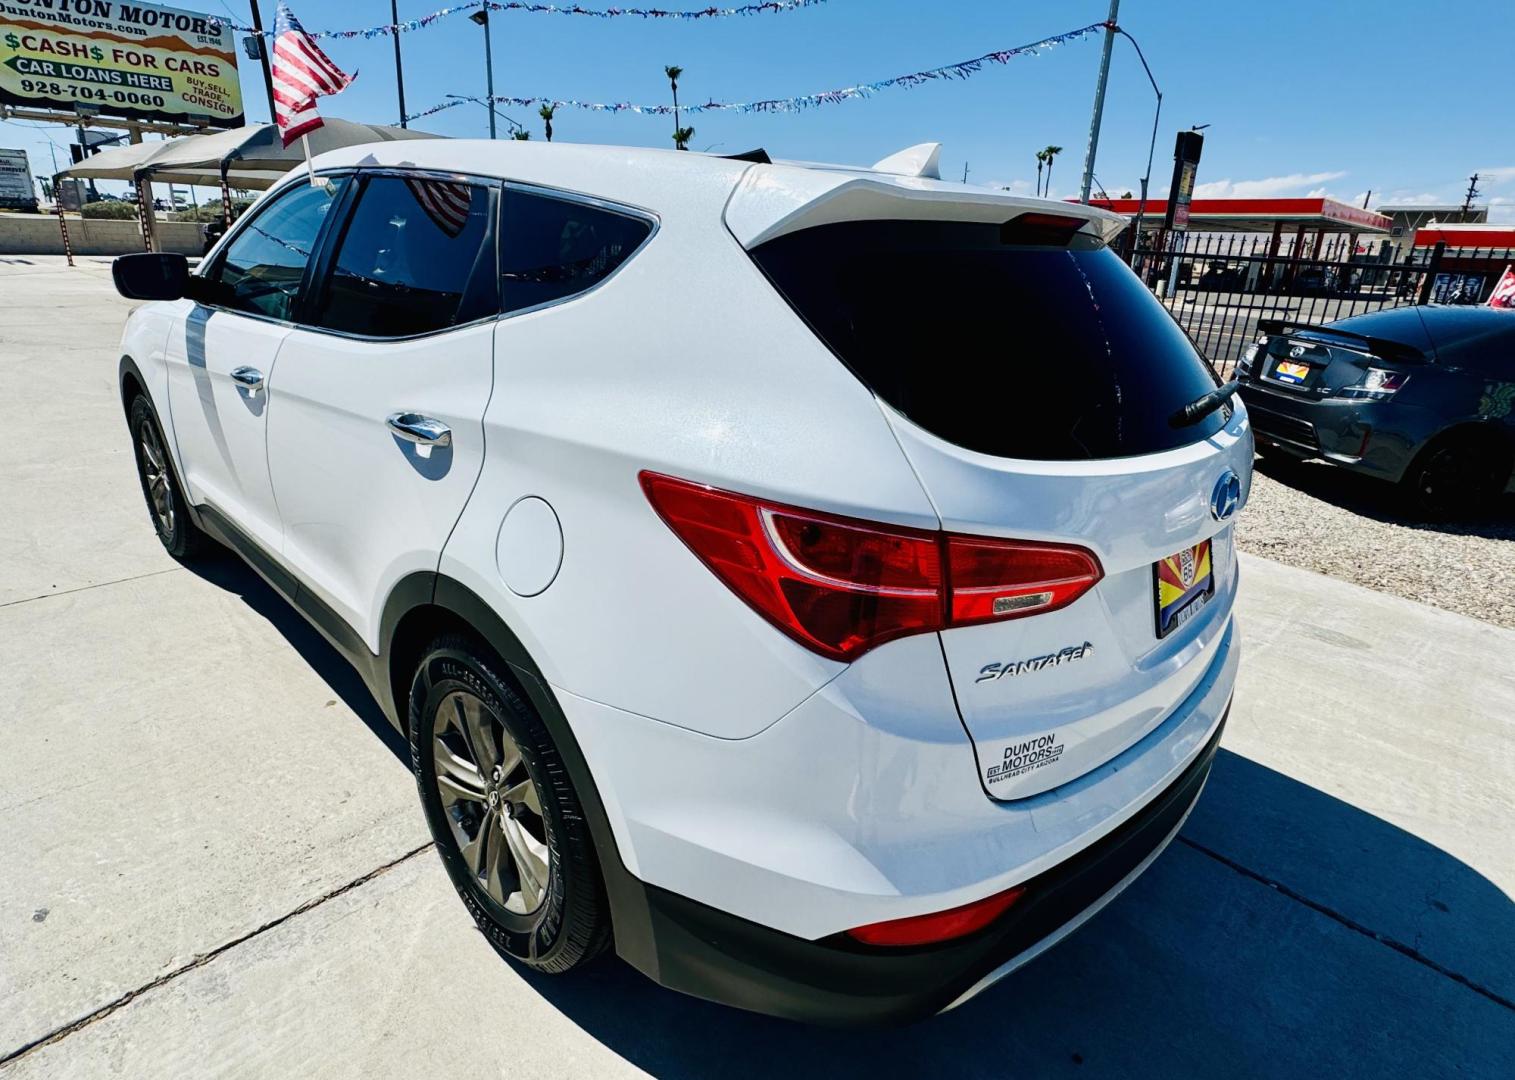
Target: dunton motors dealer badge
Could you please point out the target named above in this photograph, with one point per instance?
(1024, 756)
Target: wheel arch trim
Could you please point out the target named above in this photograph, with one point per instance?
(426, 591)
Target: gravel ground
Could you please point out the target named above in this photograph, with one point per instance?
(1325, 519)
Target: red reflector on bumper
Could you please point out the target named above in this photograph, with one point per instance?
(939, 926)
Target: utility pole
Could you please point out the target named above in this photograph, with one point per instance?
(1473, 193)
(394, 19)
(482, 18)
(965, 172)
(1099, 102)
(268, 76)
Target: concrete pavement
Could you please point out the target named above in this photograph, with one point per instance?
(212, 862)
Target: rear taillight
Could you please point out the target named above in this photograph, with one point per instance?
(941, 925)
(1376, 384)
(842, 586)
(990, 579)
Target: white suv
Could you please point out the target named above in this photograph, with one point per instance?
(817, 581)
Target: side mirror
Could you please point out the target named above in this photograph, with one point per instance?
(150, 276)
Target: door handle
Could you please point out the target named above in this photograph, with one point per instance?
(249, 378)
(421, 430)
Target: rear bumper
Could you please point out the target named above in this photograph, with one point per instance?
(1373, 437)
(701, 951)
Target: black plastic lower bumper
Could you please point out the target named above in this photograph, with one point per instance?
(696, 949)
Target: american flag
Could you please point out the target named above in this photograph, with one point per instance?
(301, 73)
(446, 203)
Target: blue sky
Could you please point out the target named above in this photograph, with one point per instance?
(1331, 96)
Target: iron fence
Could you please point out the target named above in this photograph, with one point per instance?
(1218, 287)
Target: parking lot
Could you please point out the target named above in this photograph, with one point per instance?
(213, 863)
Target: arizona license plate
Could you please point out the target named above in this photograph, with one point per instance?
(1290, 372)
(1184, 584)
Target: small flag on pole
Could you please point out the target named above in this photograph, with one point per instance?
(301, 73)
(1504, 290)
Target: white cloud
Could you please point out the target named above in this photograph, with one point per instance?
(1497, 176)
(1269, 185)
(1015, 187)
(1405, 197)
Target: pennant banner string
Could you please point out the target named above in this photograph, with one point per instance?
(963, 70)
(407, 25)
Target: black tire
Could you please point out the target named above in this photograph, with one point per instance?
(161, 489)
(569, 924)
(1455, 476)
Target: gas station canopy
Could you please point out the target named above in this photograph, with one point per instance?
(1258, 215)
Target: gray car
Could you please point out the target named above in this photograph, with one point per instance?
(1419, 396)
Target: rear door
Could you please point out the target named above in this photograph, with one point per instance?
(378, 436)
(1032, 381)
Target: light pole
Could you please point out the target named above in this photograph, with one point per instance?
(1141, 207)
(1099, 101)
(482, 18)
(394, 21)
(515, 125)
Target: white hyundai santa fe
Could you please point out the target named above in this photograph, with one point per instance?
(815, 581)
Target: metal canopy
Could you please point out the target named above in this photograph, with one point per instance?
(251, 157)
(1260, 215)
(259, 147)
(127, 162)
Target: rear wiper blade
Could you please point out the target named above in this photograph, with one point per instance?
(1204, 405)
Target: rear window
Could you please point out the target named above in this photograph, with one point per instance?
(1042, 352)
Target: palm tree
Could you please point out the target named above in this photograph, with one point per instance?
(1041, 159)
(1051, 152)
(545, 112)
(520, 134)
(681, 137)
(673, 71)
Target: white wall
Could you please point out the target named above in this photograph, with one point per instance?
(37, 234)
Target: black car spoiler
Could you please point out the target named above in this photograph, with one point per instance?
(1383, 347)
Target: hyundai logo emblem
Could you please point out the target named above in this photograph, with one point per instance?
(1226, 497)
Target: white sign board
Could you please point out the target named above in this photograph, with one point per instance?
(16, 188)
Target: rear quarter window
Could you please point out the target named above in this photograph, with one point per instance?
(1022, 351)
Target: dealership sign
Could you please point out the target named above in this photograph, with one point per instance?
(137, 61)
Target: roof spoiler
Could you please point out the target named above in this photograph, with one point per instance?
(1383, 347)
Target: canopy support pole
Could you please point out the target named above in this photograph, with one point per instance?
(145, 216)
(139, 181)
(68, 248)
(225, 195)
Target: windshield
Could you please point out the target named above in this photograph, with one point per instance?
(1049, 353)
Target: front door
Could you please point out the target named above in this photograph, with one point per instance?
(377, 436)
(220, 359)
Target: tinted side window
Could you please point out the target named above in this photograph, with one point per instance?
(409, 258)
(263, 264)
(553, 248)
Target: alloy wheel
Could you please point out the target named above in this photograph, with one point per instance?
(491, 803)
(160, 490)
(1452, 479)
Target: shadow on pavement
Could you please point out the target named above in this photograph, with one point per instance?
(1248, 950)
(1382, 501)
(1197, 970)
(226, 571)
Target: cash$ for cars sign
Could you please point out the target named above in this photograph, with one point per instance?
(138, 61)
